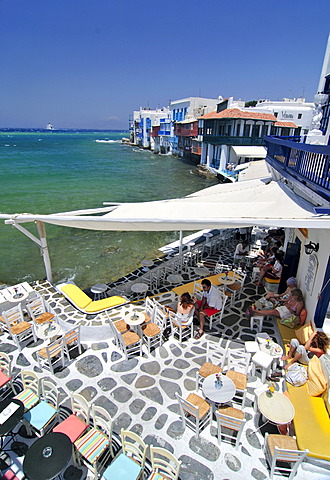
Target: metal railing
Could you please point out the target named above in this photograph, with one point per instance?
(310, 164)
(233, 140)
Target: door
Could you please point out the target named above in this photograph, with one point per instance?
(290, 264)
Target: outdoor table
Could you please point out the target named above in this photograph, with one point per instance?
(218, 395)
(48, 330)
(99, 290)
(139, 287)
(11, 412)
(202, 271)
(47, 456)
(226, 279)
(147, 263)
(133, 317)
(276, 408)
(175, 278)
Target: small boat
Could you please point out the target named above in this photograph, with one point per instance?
(49, 127)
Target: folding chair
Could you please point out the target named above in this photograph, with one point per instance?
(131, 461)
(164, 464)
(231, 419)
(284, 449)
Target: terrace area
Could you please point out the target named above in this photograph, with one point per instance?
(140, 392)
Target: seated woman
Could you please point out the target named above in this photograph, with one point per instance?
(291, 284)
(289, 312)
(272, 271)
(317, 344)
(185, 308)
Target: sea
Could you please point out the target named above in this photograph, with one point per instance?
(44, 172)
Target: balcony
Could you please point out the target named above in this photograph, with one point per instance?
(226, 140)
(309, 164)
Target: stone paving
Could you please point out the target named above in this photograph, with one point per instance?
(139, 393)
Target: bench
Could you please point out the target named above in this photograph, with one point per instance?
(84, 303)
(311, 420)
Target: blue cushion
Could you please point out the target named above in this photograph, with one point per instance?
(122, 468)
(40, 415)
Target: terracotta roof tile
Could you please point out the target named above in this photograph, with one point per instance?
(237, 113)
(286, 124)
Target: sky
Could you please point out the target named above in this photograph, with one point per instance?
(90, 63)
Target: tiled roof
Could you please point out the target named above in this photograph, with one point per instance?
(286, 124)
(237, 113)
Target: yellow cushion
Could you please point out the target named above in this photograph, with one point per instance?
(316, 383)
(303, 333)
(272, 280)
(311, 422)
(105, 303)
(326, 399)
(77, 296)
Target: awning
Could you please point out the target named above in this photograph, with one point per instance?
(254, 202)
(250, 152)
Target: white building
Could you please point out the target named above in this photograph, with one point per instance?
(143, 121)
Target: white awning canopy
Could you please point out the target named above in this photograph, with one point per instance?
(254, 202)
(250, 151)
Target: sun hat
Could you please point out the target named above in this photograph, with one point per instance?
(292, 281)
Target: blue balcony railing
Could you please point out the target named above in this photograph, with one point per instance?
(310, 164)
(226, 140)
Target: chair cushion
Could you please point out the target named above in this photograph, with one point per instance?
(272, 280)
(3, 379)
(316, 383)
(8, 475)
(72, 426)
(281, 441)
(105, 304)
(77, 296)
(208, 369)
(40, 415)
(122, 468)
(92, 444)
(28, 398)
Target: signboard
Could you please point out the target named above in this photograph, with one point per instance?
(311, 273)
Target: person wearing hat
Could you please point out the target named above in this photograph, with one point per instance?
(276, 298)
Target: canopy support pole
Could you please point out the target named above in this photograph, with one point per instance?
(180, 249)
(41, 243)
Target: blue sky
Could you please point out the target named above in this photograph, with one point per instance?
(90, 63)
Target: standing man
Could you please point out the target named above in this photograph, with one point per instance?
(210, 304)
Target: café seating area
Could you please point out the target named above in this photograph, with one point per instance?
(194, 408)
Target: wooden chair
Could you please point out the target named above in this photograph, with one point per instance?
(19, 329)
(234, 290)
(284, 449)
(42, 416)
(6, 379)
(29, 396)
(39, 311)
(164, 464)
(51, 355)
(237, 366)
(71, 341)
(149, 306)
(94, 447)
(195, 412)
(215, 360)
(77, 423)
(180, 329)
(129, 342)
(131, 461)
(231, 419)
(153, 331)
(218, 316)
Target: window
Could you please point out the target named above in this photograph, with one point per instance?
(299, 116)
(275, 114)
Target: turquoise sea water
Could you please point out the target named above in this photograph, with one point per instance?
(50, 172)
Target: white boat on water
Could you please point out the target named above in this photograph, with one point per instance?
(49, 126)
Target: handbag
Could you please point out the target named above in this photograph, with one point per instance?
(291, 322)
(296, 375)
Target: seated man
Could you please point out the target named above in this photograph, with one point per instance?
(242, 249)
(210, 304)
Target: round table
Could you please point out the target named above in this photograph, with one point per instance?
(202, 271)
(147, 263)
(274, 350)
(48, 332)
(175, 278)
(133, 317)
(47, 456)
(218, 395)
(276, 408)
(17, 296)
(99, 290)
(207, 235)
(139, 287)
(225, 279)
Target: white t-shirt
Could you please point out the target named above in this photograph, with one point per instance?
(278, 267)
(240, 250)
(213, 298)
